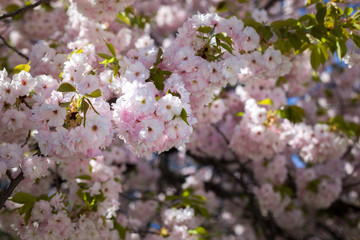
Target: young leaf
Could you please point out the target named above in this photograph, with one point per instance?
(65, 104)
(121, 230)
(84, 106)
(159, 57)
(204, 29)
(22, 198)
(66, 87)
(222, 7)
(92, 106)
(111, 48)
(94, 94)
(266, 101)
(22, 67)
(103, 55)
(122, 17)
(226, 47)
(184, 116)
(159, 80)
(84, 177)
(293, 113)
(198, 230)
(224, 38)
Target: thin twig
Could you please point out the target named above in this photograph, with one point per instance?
(22, 10)
(4, 195)
(27, 139)
(14, 49)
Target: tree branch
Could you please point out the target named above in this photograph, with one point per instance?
(14, 49)
(269, 4)
(4, 195)
(22, 10)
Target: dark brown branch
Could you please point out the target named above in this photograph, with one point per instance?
(24, 9)
(4, 195)
(14, 49)
(270, 3)
(26, 140)
(330, 231)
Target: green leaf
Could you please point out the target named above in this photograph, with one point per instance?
(266, 101)
(315, 58)
(47, 7)
(356, 39)
(310, 2)
(108, 60)
(224, 38)
(65, 104)
(337, 31)
(84, 106)
(121, 230)
(84, 177)
(349, 128)
(202, 211)
(295, 41)
(284, 191)
(313, 185)
(197, 231)
(321, 13)
(184, 116)
(22, 198)
(159, 80)
(111, 48)
(27, 211)
(341, 48)
(28, 200)
(12, 8)
(281, 80)
(159, 57)
(356, 26)
(348, 11)
(265, 32)
(293, 113)
(22, 67)
(66, 87)
(226, 47)
(77, 51)
(171, 197)
(202, 198)
(92, 106)
(94, 94)
(122, 17)
(204, 29)
(103, 55)
(222, 7)
(323, 53)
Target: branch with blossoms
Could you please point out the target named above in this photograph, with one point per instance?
(23, 9)
(219, 128)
